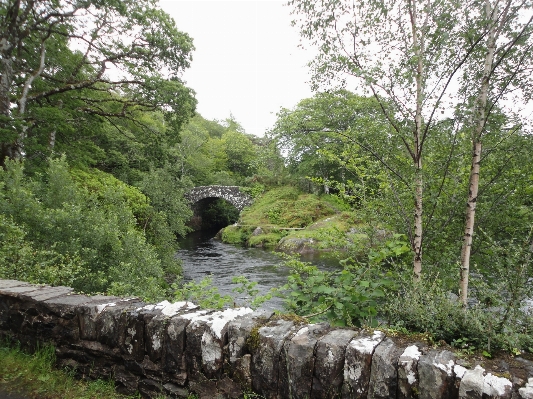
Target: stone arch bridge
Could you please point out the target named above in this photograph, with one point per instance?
(232, 194)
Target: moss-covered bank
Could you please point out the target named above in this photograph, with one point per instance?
(288, 220)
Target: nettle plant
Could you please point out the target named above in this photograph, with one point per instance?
(349, 296)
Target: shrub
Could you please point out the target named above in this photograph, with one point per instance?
(427, 308)
(57, 231)
(233, 235)
(348, 297)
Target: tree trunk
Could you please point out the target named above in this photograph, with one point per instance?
(479, 125)
(6, 76)
(469, 221)
(418, 46)
(417, 240)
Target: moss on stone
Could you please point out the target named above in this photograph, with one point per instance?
(252, 342)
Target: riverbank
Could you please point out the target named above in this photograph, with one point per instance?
(286, 220)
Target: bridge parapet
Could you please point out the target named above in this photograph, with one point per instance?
(232, 194)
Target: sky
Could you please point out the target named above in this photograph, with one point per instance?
(247, 62)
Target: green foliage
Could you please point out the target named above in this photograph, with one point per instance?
(334, 233)
(210, 152)
(167, 215)
(255, 190)
(202, 294)
(207, 296)
(348, 297)
(20, 261)
(232, 235)
(425, 307)
(59, 230)
(268, 239)
(248, 287)
(285, 207)
(73, 102)
(97, 182)
(241, 153)
(324, 138)
(35, 375)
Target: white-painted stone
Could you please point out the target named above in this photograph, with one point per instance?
(156, 341)
(411, 352)
(100, 308)
(496, 386)
(527, 391)
(367, 345)
(459, 371)
(302, 331)
(174, 308)
(472, 383)
(408, 360)
(447, 368)
(359, 348)
(195, 315)
(211, 351)
(221, 320)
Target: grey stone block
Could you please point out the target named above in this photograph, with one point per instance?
(437, 379)
(357, 362)
(384, 377)
(206, 336)
(329, 366)
(89, 311)
(11, 283)
(265, 357)
(297, 362)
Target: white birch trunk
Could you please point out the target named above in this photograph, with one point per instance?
(479, 122)
(417, 150)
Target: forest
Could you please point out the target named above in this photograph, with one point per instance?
(418, 134)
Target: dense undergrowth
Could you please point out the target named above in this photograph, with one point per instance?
(84, 229)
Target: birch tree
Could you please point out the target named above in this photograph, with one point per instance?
(404, 53)
(497, 75)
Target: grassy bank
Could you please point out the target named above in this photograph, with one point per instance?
(35, 376)
(291, 221)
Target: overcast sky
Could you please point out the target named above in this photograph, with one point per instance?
(247, 61)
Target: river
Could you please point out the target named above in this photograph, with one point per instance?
(202, 256)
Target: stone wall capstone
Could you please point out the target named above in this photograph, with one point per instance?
(178, 348)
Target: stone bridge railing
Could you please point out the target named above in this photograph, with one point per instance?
(178, 348)
(232, 194)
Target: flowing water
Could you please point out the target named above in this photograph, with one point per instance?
(202, 256)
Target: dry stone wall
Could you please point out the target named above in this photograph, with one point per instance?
(178, 348)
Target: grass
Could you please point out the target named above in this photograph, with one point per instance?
(286, 207)
(282, 207)
(323, 223)
(35, 376)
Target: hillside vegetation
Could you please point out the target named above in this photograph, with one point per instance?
(286, 219)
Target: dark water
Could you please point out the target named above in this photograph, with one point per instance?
(202, 256)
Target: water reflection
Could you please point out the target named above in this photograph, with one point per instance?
(202, 255)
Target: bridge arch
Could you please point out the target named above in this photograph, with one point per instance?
(232, 194)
